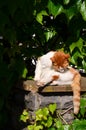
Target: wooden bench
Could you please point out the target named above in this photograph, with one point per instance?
(35, 98)
(30, 85)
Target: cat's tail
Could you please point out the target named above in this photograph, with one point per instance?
(76, 91)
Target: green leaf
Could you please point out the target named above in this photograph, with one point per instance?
(72, 60)
(84, 64)
(78, 3)
(71, 12)
(59, 125)
(83, 10)
(49, 34)
(83, 106)
(54, 9)
(39, 16)
(39, 127)
(25, 113)
(78, 44)
(45, 112)
(42, 114)
(66, 2)
(39, 114)
(24, 117)
(25, 71)
(79, 125)
(75, 57)
(49, 121)
(52, 108)
(35, 127)
(30, 127)
(66, 127)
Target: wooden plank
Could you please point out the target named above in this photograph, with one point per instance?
(30, 85)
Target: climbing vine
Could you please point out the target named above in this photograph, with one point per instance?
(30, 28)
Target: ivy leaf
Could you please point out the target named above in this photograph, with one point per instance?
(66, 2)
(39, 127)
(49, 121)
(79, 125)
(83, 10)
(66, 127)
(25, 113)
(72, 60)
(59, 125)
(25, 71)
(78, 44)
(71, 12)
(42, 114)
(45, 113)
(24, 117)
(50, 34)
(39, 16)
(82, 106)
(39, 114)
(54, 9)
(84, 64)
(78, 3)
(81, 6)
(30, 127)
(52, 108)
(74, 57)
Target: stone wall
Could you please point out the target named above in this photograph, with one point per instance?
(27, 96)
(34, 101)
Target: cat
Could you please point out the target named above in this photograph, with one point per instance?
(53, 68)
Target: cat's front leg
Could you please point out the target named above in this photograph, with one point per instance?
(38, 70)
(40, 83)
(48, 80)
(54, 79)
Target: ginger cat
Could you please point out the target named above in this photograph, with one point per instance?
(53, 68)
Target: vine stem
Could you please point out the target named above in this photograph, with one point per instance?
(59, 116)
(66, 111)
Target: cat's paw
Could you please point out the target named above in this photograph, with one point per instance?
(40, 84)
(36, 78)
(54, 83)
(55, 77)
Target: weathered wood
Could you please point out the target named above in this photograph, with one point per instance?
(30, 85)
(61, 95)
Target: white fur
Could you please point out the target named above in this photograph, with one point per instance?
(43, 63)
(44, 72)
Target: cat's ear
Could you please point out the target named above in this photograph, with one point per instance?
(52, 59)
(67, 56)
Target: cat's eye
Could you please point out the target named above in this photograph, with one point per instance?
(55, 64)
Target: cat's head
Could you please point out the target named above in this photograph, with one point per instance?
(60, 61)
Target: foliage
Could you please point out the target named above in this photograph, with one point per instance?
(24, 117)
(30, 28)
(82, 113)
(49, 118)
(46, 118)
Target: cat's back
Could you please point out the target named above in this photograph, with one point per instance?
(66, 76)
(45, 59)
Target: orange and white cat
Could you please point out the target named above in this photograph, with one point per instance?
(53, 68)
